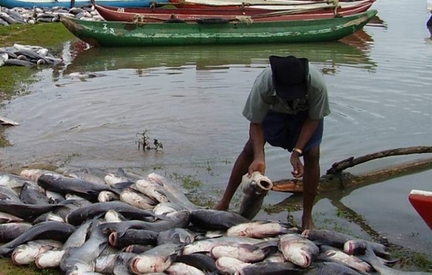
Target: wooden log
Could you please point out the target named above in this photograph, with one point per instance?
(344, 180)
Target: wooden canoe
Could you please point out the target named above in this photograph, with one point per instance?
(287, 4)
(214, 31)
(192, 14)
(422, 203)
(74, 3)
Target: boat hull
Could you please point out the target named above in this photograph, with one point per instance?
(202, 32)
(191, 14)
(76, 3)
(422, 203)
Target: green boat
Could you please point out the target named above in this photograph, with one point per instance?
(214, 31)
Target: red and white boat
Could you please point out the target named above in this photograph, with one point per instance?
(422, 203)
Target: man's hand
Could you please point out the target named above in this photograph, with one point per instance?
(257, 166)
(297, 165)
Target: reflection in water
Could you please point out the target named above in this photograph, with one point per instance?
(352, 51)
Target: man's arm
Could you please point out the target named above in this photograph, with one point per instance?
(256, 136)
(308, 129)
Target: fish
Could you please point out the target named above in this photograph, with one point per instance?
(205, 245)
(330, 268)
(248, 253)
(49, 259)
(381, 268)
(201, 261)
(81, 259)
(270, 269)
(26, 253)
(114, 263)
(133, 236)
(12, 230)
(152, 190)
(183, 269)
(261, 229)
(329, 253)
(137, 199)
(358, 246)
(33, 194)
(230, 265)
(166, 207)
(176, 235)
(8, 218)
(65, 185)
(105, 196)
(28, 211)
(80, 215)
(173, 192)
(50, 229)
(179, 219)
(12, 181)
(157, 259)
(211, 219)
(298, 249)
(338, 240)
(255, 187)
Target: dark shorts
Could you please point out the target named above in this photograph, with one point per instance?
(283, 130)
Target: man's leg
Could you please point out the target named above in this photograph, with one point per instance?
(310, 184)
(240, 168)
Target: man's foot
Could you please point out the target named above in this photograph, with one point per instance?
(307, 223)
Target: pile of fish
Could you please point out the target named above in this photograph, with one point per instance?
(45, 15)
(121, 223)
(27, 55)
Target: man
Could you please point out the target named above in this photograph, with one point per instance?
(286, 108)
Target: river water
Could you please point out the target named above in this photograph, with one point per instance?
(91, 111)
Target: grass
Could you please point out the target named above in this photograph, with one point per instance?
(51, 36)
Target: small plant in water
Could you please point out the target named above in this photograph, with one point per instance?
(145, 144)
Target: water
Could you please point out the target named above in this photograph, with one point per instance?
(90, 112)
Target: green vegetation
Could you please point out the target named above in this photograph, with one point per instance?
(50, 36)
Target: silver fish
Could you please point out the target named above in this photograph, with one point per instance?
(339, 240)
(216, 219)
(137, 199)
(152, 190)
(157, 259)
(298, 250)
(50, 229)
(260, 229)
(49, 259)
(329, 253)
(231, 265)
(205, 245)
(330, 268)
(82, 258)
(382, 269)
(247, 253)
(255, 187)
(26, 253)
(11, 231)
(173, 192)
(183, 269)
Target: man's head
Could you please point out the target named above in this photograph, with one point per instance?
(289, 76)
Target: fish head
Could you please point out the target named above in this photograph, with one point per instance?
(147, 264)
(50, 258)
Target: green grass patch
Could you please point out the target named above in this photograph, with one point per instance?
(51, 36)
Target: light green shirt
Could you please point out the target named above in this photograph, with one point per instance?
(262, 97)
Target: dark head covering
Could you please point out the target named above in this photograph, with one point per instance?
(289, 76)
